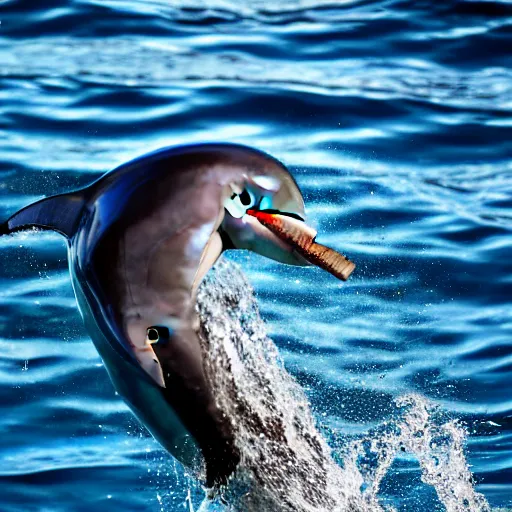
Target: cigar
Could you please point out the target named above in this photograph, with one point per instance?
(302, 238)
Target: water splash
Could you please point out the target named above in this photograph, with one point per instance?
(437, 445)
(286, 463)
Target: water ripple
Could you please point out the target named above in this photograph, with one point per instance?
(395, 118)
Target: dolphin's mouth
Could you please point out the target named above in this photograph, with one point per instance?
(291, 229)
(270, 211)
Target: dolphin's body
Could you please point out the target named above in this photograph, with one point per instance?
(140, 240)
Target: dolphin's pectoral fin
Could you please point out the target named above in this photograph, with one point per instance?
(189, 394)
(210, 255)
(211, 252)
(58, 213)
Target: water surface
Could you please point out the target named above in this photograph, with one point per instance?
(395, 118)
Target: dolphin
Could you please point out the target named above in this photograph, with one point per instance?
(140, 240)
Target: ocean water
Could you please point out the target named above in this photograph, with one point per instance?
(395, 119)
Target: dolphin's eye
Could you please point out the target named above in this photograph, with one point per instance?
(238, 204)
(157, 333)
(245, 198)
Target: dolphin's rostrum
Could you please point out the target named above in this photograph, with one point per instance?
(141, 239)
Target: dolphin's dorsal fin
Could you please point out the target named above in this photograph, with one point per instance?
(60, 213)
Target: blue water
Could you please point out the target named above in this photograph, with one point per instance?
(395, 118)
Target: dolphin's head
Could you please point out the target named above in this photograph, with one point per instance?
(273, 191)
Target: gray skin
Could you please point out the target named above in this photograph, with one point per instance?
(141, 239)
